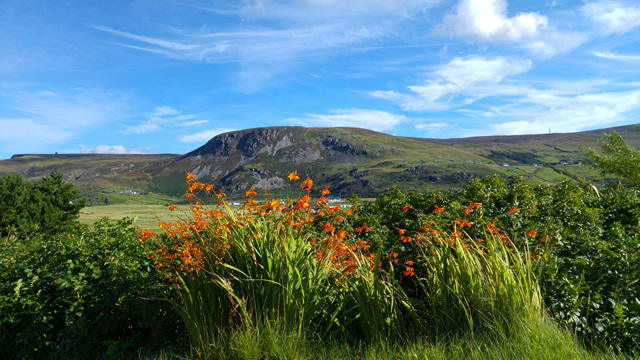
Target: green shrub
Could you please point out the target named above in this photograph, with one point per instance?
(82, 295)
(585, 243)
(48, 208)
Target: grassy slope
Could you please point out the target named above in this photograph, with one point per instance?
(374, 162)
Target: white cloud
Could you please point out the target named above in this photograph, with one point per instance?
(361, 118)
(488, 21)
(118, 149)
(613, 56)
(194, 123)
(552, 43)
(318, 10)
(163, 116)
(203, 136)
(26, 135)
(566, 113)
(33, 122)
(272, 37)
(461, 76)
(434, 128)
(612, 16)
(165, 110)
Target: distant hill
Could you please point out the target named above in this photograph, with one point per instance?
(347, 160)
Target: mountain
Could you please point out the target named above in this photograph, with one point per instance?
(347, 160)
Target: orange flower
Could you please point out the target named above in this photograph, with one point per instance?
(250, 192)
(409, 271)
(363, 227)
(532, 233)
(438, 209)
(409, 263)
(405, 239)
(514, 211)
(324, 191)
(466, 211)
(172, 207)
(407, 207)
(293, 176)
(303, 203)
(306, 184)
(329, 228)
(190, 177)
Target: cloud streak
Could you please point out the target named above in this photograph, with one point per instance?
(203, 136)
(461, 76)
(362, 118)
(163, 117)
(116, 150)
(612, 17)
(34, 121)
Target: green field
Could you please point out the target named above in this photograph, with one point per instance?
(146, 215)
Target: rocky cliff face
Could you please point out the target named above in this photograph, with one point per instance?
(248, 142)
(263, 157)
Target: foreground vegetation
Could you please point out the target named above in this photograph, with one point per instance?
(501, 269)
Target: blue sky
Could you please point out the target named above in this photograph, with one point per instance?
(166, 76)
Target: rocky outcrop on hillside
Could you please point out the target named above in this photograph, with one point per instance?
(227, 156)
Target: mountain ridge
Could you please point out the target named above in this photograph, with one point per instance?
(347, 160)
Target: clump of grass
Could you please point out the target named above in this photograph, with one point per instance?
(477, 285)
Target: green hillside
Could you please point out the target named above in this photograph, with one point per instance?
(347, 160)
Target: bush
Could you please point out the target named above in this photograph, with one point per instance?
(48, 208)
(84, 294)
(585, 243)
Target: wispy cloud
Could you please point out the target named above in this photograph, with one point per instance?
(27, 135)
(272, 37)
(614, 56)
(203, 136)
(194, 123)
(163, 117)
(33, 121)
(461, 76)
(613, 17)
(540, 111)
(319, 10)
(369, 119)
(117, 149)
(434, 128)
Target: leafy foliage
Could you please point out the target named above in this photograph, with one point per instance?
(618, 158)
(48, 208)
(585, 243)
(81, 295)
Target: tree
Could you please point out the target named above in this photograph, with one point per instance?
(617, 158)
(49, 207)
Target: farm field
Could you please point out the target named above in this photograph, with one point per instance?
(145, 215)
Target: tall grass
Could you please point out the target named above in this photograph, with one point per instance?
(472, 286)
(272, 270)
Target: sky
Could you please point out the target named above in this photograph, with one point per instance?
(161, 76)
